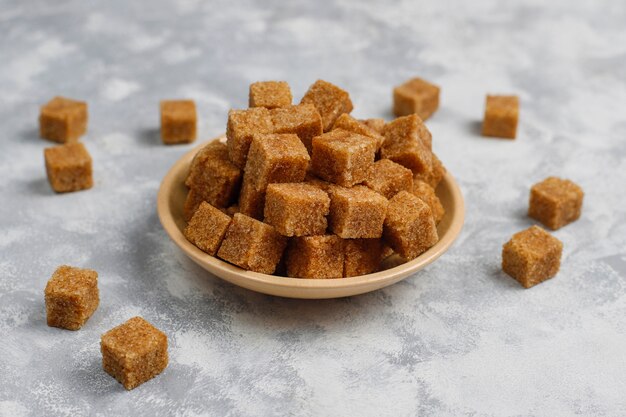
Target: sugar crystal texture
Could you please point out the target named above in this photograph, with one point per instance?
(134, 352)
(501, 116)
(63, 120)
(342, 157)
(349, 123)
(409, 226)
(207, 228)
(416, 96)
(274, 158)
(71, 297)
(389, 178)
(434, 176)
(330, 100)
(270, 94)
(361, 256)
(252, 245)
(316, 257)
(212, 178)
(296, 209)
(555, 202)
(426, 193)
(68, 167)
(241, 127)
(532, 256)
(377, 124)
(408, 142)
(178, 121)
(304, 120)
(357, 212)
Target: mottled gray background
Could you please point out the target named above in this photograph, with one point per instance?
(458, 338)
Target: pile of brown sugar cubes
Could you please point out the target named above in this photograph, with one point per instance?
(308, 191)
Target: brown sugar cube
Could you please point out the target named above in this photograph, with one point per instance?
(316, 257)
(532, 256)
(192, 202)
(68, 167)
(270, 94)
(319, 183)
(274, 158)
(252, 245)
(304, 120)
(388, 178)
(407, 142)
(242, 126)
(409, 226)
(416, 96)
(330, 100)
(212, 177)
(377, 124)
(71, 297)
(357, 212)
(361, 256)
(434, 176)
(555, 202)
(296, 209)
(178, 121)
(501, 116)
(426, 193)
(342, 157)
(134, 352)
(207, 228)
(349, 123)
(63, 120)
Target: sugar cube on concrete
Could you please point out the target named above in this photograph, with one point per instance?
(134, 352)
(407, 142)
(357, 212)
(207, 228)
(349, 123)
(178, 121)
(426, 193)
(389, 178)
(71, 297)
(304, 120)
(242, 126)
(63, 120)
(532, 256)
(252, 245)
(361, 256)
(555, 202)
(68, 167)
(296, 209)
(342, 157)
(213, 177)
(317, 257)
(409, 226)
(416, 96)
(330, 100)
(270, 94)
(501, 116)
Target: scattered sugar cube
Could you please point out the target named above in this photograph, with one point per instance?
(178, 121)
(296, 209)
(270, 94)
(357, 212)
(318, 257)
(134, 352)
(63, 120)
(501, 116)
(71, 297)
(532, 256)
(68, 167)
(330, 100)
(409, 226)
(207, 228)
(416, 96)
(555, 202)
(252, 245)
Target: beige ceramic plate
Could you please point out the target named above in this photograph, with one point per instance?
(170, 204)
